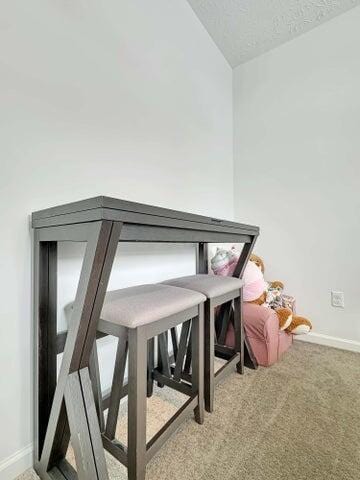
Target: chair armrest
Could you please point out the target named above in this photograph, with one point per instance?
(260, 322)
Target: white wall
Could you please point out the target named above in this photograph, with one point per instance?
(297, 167)
(130, 99)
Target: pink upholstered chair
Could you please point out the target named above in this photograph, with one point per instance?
(262, 330)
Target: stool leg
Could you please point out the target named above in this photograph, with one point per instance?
(197, 339)
(184, 337)
(164, 355)
(137, 390)
(151, 366)
(117, 387)
(209, 373)
(94, 372)
(239, 332)
(162, 340)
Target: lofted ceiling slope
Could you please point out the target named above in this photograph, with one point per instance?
(244, 29)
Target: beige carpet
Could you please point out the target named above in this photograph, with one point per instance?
(299, 419)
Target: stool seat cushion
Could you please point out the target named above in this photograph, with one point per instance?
(135, 306)
(210, 285)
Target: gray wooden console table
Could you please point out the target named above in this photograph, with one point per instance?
(65, 407)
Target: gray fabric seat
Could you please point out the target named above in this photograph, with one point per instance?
(135, 306)
(210, 285)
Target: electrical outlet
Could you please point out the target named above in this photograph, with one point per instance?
(337, 299)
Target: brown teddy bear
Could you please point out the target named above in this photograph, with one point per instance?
(271, 296)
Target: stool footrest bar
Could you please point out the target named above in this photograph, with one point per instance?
(169, 428)
(116, 449)
(180, 386)
(226, 369)
(224, 352)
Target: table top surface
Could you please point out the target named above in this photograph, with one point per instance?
(101, 207)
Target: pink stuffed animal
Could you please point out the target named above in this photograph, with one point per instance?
(224, 261)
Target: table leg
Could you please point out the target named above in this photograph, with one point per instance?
(84, 426)
(99, 256)
(45, 304)
(239, 332)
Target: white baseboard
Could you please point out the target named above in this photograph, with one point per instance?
(17, 463)
(329, 341)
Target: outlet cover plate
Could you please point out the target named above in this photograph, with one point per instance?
(337, 299)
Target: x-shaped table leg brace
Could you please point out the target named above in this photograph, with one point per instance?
(73, 412)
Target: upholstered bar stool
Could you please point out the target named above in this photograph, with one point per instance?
(135, 315)
(219, 291)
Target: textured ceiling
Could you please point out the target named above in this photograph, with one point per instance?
(244, 29)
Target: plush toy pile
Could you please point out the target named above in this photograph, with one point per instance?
(270, 294)
(257, 290)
